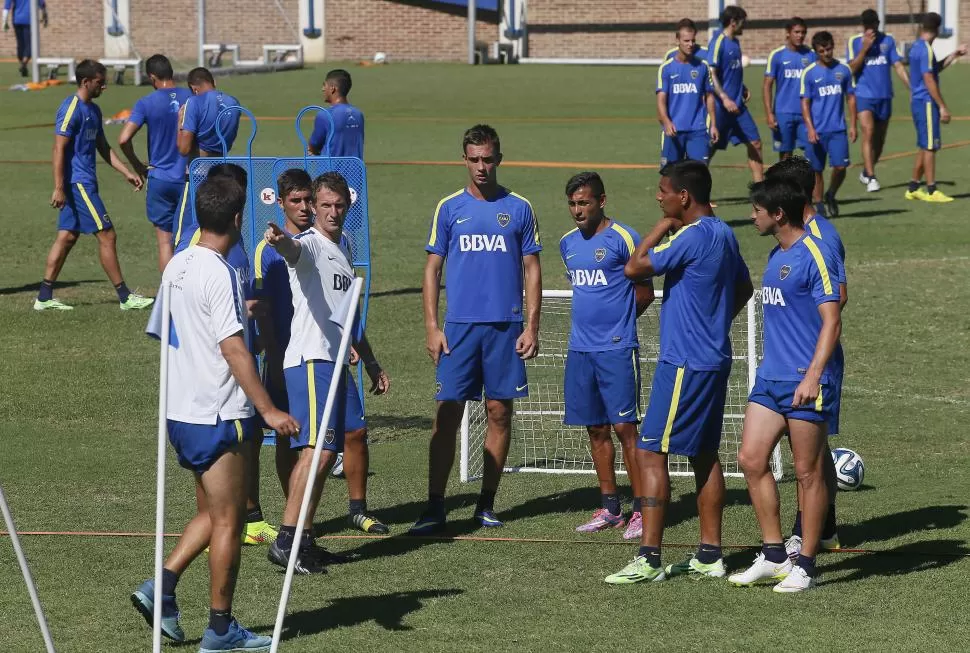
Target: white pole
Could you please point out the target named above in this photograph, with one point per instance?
(881, 10)
(35, 43)
(471, 31)
(28, 579)
(160, 470)
(752, 343)
(200, 11)
(465, 453)
(347, 329)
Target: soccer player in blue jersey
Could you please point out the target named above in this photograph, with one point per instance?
(348, 120)
(272, 286)
(826, 88)
(21, 27)
(734, 122)
(685, 102)
(793, 390)
(602, 382)
(869, 55)
(78, 137)
(165, 170)
(490, 239)
(706, 284)
(928, 108)
(784, 74)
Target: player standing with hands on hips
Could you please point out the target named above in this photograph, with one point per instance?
(489, 236)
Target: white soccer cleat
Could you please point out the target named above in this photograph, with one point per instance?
(863, 179)
(797, 580)
(793, 546)
(761, 571)
(873, 185)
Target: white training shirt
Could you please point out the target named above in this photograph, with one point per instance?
(207, 306)
(319, 282)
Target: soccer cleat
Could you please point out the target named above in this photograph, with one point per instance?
(259, 532)
(638, 570)
(51, 305)
(487, 519)
(143, 599)
(136, 302)
(429, 522)
(694, 568)
(761, 571)
(936, 196)
(793, 545)
(797, 580)
(634, 528)
(918, 194)
(236, 638)
(864, 179)
(601, 520)
(873, 185)
(306, 565)
(321, 554)
(831, 206)
(831, 543)
(337, 471)
(369, 524)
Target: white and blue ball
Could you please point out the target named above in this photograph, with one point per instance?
(850, 470)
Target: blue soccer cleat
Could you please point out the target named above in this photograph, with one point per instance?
(143, 599)
(429, 522)
(487, 519)
(236, 638)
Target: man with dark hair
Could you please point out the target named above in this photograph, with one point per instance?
(706, 284)
(826, 88)
(734, 122)
(793, 390)
(928, 108)
(685, 103)
(78, 136)
(490, 237)
(21, 27)
(869, 56)
(166, 167)
(602, 382)
(212, 389)
(347, 129)
(784, 72)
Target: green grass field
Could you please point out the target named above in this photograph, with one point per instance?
(79, 400)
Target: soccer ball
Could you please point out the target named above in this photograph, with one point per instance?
(849, 469)
(380, 58)
(745, 61)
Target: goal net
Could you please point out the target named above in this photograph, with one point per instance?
(542, 443)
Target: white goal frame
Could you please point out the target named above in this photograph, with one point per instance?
(747, 348)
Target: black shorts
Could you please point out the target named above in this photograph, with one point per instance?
(23, 41)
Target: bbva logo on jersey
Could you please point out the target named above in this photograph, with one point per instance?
(342, 282)
(482, 243)
(793, 73)
(687, 87)
(773, 296)
(829, 89)
(587, 278)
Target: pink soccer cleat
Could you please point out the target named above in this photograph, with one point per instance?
(634, 529)
(602, 519)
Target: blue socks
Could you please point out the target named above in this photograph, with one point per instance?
(169, 580)
(808, 564)
(774, 552)
(358, 506)
(914, 186)
(219, 621)
(637, 504)
(46, 291)
(123, 292)
(486, 501)
(829, 529)
(708, 553)
(612, 503)
(930, 188)
(652, 554)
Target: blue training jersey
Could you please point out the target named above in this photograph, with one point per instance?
(823, 231)
(604, 306)
(348, 134)
(700, 52)
(724, 56)
(874, 81)
(922, 60)
(483, 242)
(686, 85)
(200, 116)
(20, 14)
(160, 111)
(796, 282)
(785, 66)
(827, 88)
(81, 122)
(702, 265)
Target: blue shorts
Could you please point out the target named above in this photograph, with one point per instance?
(882, 108)
(926, 119)
(734, 128)
(602, 387)
(84, 211)
(306, 387)
(834, 145)
(693, 145)
(686, 411)
(836, 406)
(199, 446)
(482, 355)
(162, 202)
(184, 225)
(777, 396)
(276, 394)
(790, 132)
(22, 33)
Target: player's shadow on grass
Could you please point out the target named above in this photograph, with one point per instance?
(34, 287)
(905, 559)
(873, 213)
(399, 291)
(397, 423)
(888, 527)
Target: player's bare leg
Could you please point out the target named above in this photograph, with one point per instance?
(286, 458)
(709, 482)
(497, 440)
(763, 429)
(628, 433)
(195, 536)
(165, 249)
(835, 180)
(225, 490)
(656, 495)
(609, 514)
(108, 253)
(441, 452)
(63, 243)
(299, 478)
(880, 131)
(867, 124)
(929, 167)
(755, 161)
(808, 448)
(356, 467)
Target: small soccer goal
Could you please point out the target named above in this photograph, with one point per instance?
(542, 443)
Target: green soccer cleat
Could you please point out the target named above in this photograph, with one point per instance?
(136, 302)
(51, 305)
(369, 524)
(638, 570)
(918, 194)
(259, 532)
(694, 568)
(936, 196)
